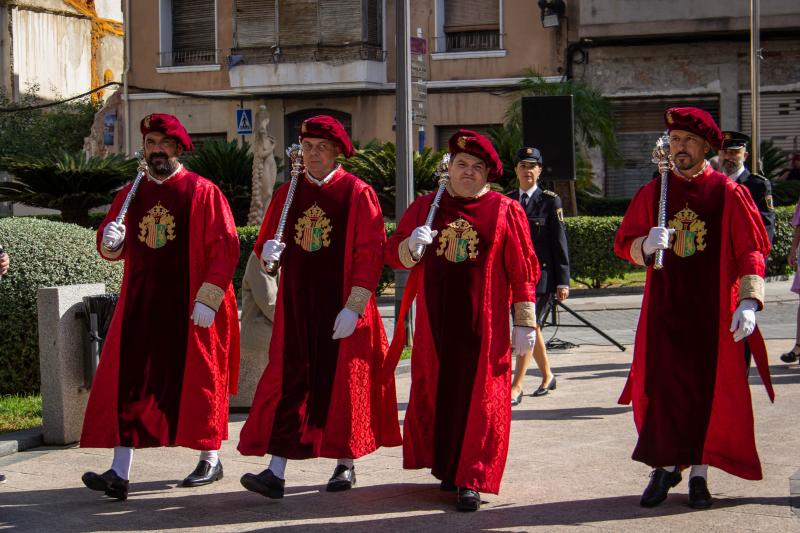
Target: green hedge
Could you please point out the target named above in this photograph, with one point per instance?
(785, 192)
(778, 264)
(43, 254)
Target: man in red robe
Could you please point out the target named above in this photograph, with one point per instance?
(687, 383)
(321, 394)
(459, 416)
(171, 355)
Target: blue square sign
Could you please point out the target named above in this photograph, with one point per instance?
(244, 121)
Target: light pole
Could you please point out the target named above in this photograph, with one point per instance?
(755, 96)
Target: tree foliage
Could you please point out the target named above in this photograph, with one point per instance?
(72, 184)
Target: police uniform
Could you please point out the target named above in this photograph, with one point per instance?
(546, 220)
(760, 187)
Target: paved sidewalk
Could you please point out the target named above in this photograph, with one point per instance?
(569, 468)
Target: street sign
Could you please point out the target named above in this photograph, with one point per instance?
(244, 121)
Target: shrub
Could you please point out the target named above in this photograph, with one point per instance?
(43, 254)
(591, 250)
(785, 192)
(778, 264)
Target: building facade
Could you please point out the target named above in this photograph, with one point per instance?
(304, 57)
(647, 55)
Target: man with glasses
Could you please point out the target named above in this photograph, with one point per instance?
(171, 355)
(320, 395)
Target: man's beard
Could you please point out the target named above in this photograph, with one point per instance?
(688, 164)
(163, 166)
(730, 167)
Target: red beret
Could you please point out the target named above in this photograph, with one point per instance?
(477, 145)
(168, 125)
(694, 120)
(327, 127)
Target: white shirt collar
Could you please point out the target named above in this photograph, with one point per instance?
(326, 179)
(739, 172)
(529, 192)
(161, 182)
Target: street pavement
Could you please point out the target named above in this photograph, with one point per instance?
(569, 466)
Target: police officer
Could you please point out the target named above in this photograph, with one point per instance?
(731, 161)
(546, 219)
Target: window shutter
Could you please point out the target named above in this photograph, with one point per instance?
(780, 118)
(255, 23)
(340, 21)
(298, 22)
(193, 25)
(373, 24)
(471, 15)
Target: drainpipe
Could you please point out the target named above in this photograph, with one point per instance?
(127, 59)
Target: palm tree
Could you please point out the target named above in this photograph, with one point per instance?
(230, 166)
(70, 183)
(375, 164)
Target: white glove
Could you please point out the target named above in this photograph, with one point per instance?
(421, 235)
(345, 323)
(203, 315)
(522, 339)
(657, 239)
(744, 319)
(113, 235)
(272, 250)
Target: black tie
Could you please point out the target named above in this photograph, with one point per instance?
(524, 200)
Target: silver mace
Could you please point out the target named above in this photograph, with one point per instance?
(661, 156)
(295, 154)
(141, 172)
(443, 173)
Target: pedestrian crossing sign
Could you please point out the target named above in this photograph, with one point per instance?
(244, 121)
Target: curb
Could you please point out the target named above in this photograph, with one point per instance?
(18, 441)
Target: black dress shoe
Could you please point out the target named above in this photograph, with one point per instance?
(266, 483)
(204, 474)
(660, 483)
(343, 478)
(699, 497)
(108, 482)
(447, 486)
(468, 500)
(541, 391)
(791, 355)
(516, 401)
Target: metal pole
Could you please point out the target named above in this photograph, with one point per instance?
(404, 184)
(755, 82)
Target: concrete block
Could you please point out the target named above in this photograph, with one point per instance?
(61, 360)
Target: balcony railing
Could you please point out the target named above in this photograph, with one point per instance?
(183, 58)
(306, 53)
(469, 41)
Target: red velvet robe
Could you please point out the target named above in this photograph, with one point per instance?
(162, 381)
(691, 399)
(459, 414)
(320, 397)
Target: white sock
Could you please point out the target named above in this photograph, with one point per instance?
(278, 466)
(211, 456)
(346, 462)
(123, 457)
(699, 470)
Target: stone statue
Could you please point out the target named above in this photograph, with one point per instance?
(265, 171)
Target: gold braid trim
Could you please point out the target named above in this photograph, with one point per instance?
(636, 251)
(210, 295)
(357, 301)
(405, 255)
(110, 254)
(525, 314)
(752, 286)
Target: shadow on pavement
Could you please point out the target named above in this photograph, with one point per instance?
(392, 507)
(574, 413)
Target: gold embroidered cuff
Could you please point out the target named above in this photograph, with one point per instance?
(405, 255)
(636, 251)
(357, 301)
(110, 254)
(525, 314)
(210, 295)
(752, 286)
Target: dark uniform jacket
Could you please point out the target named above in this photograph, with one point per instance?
(761, 190)
(549, 238)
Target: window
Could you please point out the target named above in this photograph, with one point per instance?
(306, 30)
(188, 33)
(470, 25)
